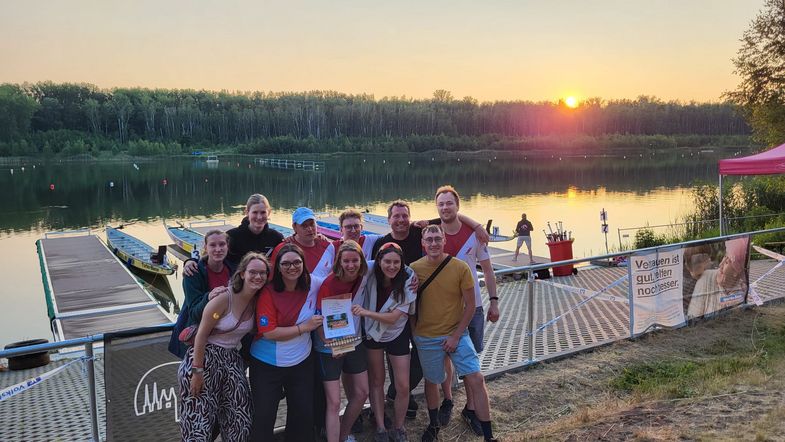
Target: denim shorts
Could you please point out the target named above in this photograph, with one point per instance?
(477, 329)
(464, 358)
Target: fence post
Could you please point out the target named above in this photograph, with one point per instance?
(530, 314)
(91, 390)
(630, 295)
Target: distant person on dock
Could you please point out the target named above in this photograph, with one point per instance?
(445, 307)
(210, 279)
(524, 232)
(312, 244)
(281, 353)
(213, 386)
(252, 235)
(461, 242)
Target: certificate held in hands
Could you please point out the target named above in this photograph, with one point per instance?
(338, 324)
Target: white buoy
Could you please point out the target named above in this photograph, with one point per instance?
(111, 183)
(12, 171)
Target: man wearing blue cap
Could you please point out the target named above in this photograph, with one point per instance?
(305, 236)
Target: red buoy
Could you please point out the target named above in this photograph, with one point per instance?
(51, 187)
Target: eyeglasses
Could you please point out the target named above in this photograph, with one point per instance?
(261, 273)
(353, 226)
(434, 240)
(289, 264)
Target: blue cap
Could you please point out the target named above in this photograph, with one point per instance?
(302, 214)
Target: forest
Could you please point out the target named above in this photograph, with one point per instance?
(67, 119)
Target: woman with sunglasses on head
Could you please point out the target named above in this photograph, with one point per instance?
(213, 386)
(281, 353)
(348, 278)
(389, 299)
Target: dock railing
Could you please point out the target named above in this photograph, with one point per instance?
(541, 319)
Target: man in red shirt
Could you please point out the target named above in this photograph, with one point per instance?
(313, 245)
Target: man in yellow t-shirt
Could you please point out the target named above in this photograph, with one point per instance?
(444, 310)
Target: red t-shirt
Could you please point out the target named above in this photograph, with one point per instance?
(455, 242)
(312, 254)
(218, 279)
(337, 243)
(333, 286)
(278, 309)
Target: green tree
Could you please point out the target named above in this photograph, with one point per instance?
(761, 65)
(16, 112)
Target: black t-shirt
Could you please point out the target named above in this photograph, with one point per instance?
(411, 246)
(242, 241)
(524, 228)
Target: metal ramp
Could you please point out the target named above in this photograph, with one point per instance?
(89, 291)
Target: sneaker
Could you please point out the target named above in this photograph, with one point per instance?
(399, 435)
(350, 438)
(431, 434)
(381, 436)
(411, 410)
(357, 426)
(387, 421)
(445, 412)
(472, 421)
(515, 259)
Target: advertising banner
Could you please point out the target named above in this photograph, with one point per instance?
(716, 276)
(140, 376)
(671, 286)
(656, 283)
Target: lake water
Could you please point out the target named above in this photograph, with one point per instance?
(635, 190)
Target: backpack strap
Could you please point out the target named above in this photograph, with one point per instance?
(421, 288)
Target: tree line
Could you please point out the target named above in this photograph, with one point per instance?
(49, 117)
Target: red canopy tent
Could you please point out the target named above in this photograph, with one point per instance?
(770, 162)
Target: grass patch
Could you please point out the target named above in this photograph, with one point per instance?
(716, 366)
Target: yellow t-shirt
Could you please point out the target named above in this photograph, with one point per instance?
(440, 307)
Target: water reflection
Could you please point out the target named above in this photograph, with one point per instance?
(634, 191)
(91, 194)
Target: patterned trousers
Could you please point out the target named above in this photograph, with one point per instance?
(225, 399)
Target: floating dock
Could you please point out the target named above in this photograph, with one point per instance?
(281, 163)
(89, 291)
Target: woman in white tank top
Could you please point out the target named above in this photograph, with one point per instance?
(212, 374)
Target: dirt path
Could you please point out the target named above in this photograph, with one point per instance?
(573, 400)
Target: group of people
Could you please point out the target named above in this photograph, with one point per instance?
(415, 298)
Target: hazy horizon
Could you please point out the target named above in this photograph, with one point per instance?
(491, 51)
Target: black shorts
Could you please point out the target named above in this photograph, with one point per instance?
(397, 347)
(350, 363)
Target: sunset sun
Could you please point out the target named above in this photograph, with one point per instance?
(571, 102)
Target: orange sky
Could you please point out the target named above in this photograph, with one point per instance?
(490, 50)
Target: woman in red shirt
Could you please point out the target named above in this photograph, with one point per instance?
(347, 279)
(285, 317)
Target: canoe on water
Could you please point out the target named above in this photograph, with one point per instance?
(188, 240)
(134, 252)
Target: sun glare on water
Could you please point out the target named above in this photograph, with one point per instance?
(571, 102)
